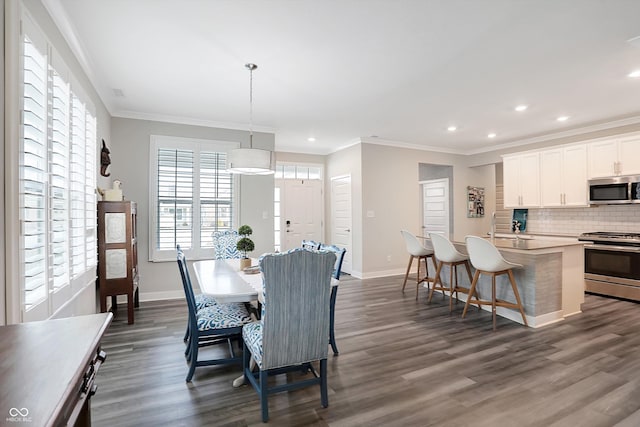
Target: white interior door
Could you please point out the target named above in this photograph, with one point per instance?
(341, 220)
(302, 212)
(435, 207)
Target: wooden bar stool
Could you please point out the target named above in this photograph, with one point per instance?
(416, 250)
(446, 254)
(486, 259)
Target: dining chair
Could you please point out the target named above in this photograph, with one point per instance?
(311, 244)
(224, 244)
(292, 333)
(337, 268)
(447, 254)
(486, 259)
(210, 325)
(416, 250)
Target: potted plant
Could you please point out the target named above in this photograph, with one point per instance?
(244, 245)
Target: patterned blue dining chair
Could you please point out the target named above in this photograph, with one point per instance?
(293, 330)
(337, 268)
(224, 244)
(220, 323)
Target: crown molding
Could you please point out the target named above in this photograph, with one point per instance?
(562, 134)
(69, 33)
(124, 114)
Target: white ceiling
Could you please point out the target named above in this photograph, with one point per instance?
(343, 70)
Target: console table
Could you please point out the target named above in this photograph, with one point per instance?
(48, 370)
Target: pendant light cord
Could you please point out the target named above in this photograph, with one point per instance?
(251, 67)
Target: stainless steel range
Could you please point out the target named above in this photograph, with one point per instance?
(612, 264)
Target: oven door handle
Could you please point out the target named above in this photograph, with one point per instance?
(614, 248)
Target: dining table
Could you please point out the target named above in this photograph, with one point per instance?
(227, 282)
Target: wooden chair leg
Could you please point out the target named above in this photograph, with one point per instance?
(493, 299)
(452, 269)
(472, 291)
(468, 268)
(264, 402)
(324, 395)
(517, 295)
(435, 281)
(426, 274)
(406, 276)
(332, 320)
(418, 277)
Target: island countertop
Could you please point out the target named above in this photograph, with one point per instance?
(532, 244)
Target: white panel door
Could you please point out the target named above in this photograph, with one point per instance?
(341, 220)
(574, 173)
(435, 207)
(301, 212)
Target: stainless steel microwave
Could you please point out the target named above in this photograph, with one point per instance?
(614, 190)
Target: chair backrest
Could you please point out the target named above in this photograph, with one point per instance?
(337, 268)
(297, 288)
(443, 248)
(186, 284)
(224, 243)
(414, 247)
(484, 255)
(311, 244)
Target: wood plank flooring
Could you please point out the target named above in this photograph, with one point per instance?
(402, 363)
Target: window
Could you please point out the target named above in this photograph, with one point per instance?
(56, 185)
(192, 196)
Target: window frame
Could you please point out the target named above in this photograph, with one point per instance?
(57, 205)
(197, 146)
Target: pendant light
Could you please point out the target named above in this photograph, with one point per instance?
(250, 161)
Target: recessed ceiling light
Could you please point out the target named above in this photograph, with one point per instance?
(311, 139)
(634, 74)
(491, 135)
(562, 118)
(521, 107)
(452, 128)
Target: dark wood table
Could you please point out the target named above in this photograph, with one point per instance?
(47, 370)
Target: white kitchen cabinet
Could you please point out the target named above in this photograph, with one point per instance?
(614, 157)
(563, 176)
(521, 180)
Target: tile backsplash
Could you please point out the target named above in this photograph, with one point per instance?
(580, 220)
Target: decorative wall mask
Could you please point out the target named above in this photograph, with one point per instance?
(105, 160)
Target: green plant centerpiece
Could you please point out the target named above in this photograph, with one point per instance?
(245, 245)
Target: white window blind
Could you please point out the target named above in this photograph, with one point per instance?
(193, 196)
(57, 175)
(33, 170)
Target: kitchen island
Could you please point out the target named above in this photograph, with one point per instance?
(550, 283)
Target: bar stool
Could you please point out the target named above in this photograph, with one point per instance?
(446, 254)
(416, 250)
(486, 259)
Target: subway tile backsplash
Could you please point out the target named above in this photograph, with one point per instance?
(574, 221)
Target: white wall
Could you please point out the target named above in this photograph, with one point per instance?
(5, 247)
(391, 192)
(130, 164)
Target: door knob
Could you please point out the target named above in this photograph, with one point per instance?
(348, 230)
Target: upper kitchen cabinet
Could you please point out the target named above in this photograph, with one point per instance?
(563, 176)
(614, 157)
(521, 180)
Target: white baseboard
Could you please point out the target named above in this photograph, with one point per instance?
(151, 296)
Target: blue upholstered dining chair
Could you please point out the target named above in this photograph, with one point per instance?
(311, 244)
(215, 324)
(224, 244)
(293, 330)
(337, 268)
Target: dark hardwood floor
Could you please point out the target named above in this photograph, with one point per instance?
(402, 362)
